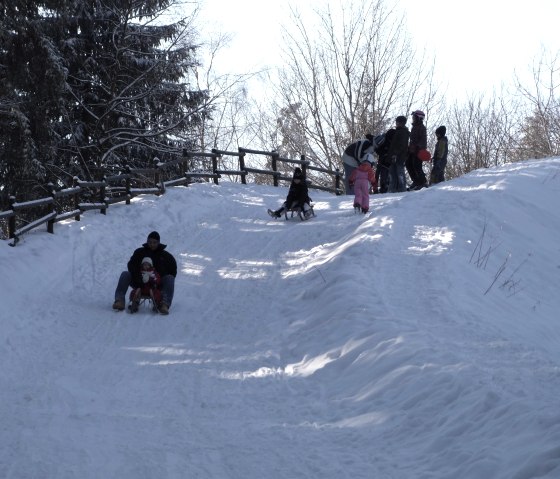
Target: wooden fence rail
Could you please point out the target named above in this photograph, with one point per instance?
(83, 196)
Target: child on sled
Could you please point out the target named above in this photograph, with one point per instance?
(150, 287)
(298, 196)
(361, 178)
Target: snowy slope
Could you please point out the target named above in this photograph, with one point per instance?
(418, 341)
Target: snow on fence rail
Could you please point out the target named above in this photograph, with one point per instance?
(82, 196)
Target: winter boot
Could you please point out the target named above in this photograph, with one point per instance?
(118, 304)
(133, 306)
(163, 308)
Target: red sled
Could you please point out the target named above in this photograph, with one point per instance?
(424, 155)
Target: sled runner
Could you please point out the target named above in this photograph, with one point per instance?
(143, 301)
(303, 215)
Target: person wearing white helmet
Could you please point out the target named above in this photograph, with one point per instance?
(418, 141)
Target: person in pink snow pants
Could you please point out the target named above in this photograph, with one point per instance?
(361, 178)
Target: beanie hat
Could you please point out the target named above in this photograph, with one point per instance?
(369, 137)
(401, 119)
(419, 113)
(298, 173)
(441, 130)
(148, 260)
(154, 235)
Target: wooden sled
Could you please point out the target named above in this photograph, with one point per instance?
(299, 212)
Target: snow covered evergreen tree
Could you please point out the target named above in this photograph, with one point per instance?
(31, 84)
(93, 84)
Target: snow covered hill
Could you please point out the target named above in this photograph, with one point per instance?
(418, 341)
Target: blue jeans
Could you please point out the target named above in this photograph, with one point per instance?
(397, 180)
(167, 287)
(348, 169)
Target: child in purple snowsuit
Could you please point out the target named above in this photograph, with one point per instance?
(361, 178)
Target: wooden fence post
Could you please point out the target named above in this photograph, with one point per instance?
(303, 166)
(275, 157)
(127, 183)
(76, 197)
(103, 211)
(242, 165)
(215, 166)
(158, 177)
(337, 182)
(12, 219)
(50, 223)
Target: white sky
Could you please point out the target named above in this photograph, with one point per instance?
(477, 43)
(417, 341)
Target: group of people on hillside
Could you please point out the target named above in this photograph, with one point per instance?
(399, 151)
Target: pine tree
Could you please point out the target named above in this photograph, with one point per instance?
(92, 84)
(31, 81)
(129, 78)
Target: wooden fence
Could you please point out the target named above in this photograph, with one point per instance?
(67, 203)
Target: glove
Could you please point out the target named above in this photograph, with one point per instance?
(145, 276)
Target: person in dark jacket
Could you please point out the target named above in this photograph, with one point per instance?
(440, 156)
(398, 152)
(353, 155)
(298, 196)
(164, 263)
(384, 162)
(418, 141)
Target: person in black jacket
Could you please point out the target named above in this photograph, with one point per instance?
(298, 196)
(164, 263)
(384, 163)
(398, 152)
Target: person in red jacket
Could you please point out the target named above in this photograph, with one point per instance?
(360, 179)
(151, 282)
